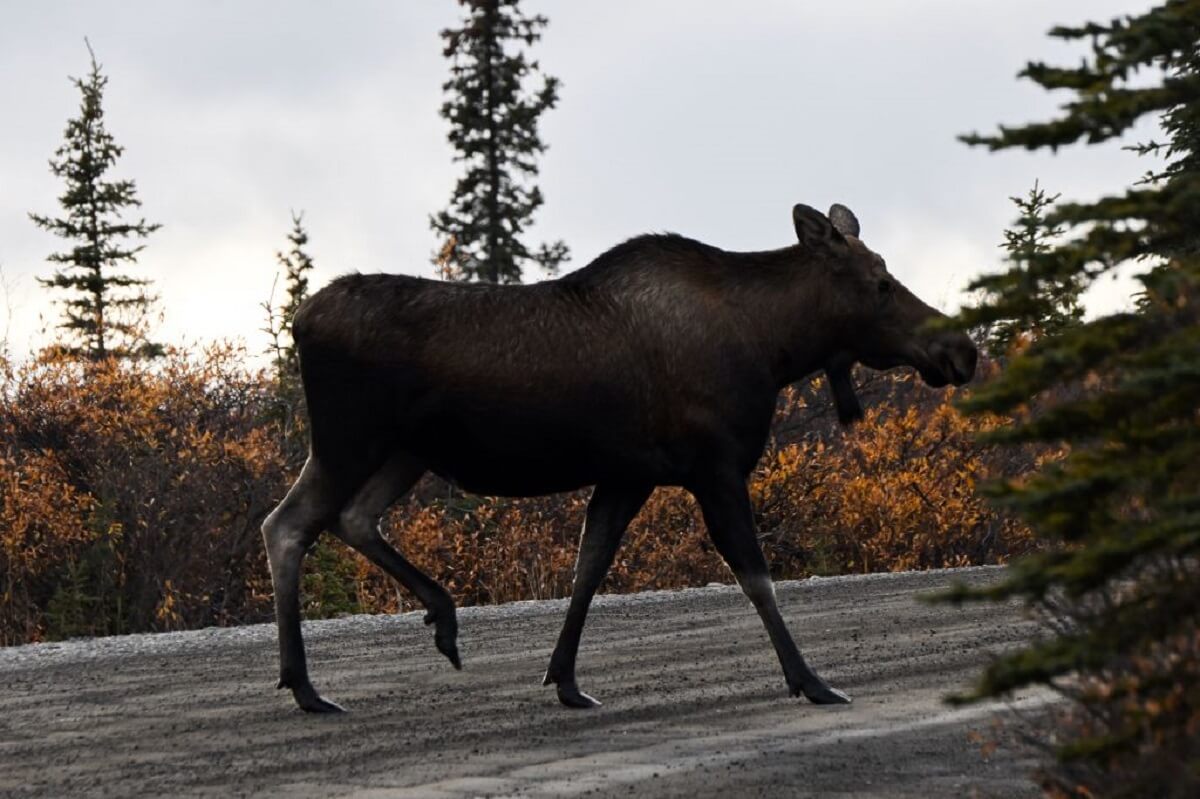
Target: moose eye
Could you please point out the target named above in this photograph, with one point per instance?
(885, 287)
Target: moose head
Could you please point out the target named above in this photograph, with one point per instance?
(880, 323)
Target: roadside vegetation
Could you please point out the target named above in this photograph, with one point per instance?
(1119, 514)
(131, 493)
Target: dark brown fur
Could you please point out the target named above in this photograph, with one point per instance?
(657, 364)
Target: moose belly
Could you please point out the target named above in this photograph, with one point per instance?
(496, 474)
(532, 449)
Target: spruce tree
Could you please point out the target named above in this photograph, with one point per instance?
(290, 411)
(1049, 301)
(494, 129)
(106, 311)
(296, 265)
(1119, 396)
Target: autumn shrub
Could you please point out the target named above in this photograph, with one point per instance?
(1133, 726)
(43, 533)
(131, 496)
(896, 492)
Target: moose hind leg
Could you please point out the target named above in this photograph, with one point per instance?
(358, 526)
(288, 532)
(730, 521)
(608, 514)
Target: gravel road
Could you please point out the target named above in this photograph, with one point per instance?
(694, 704)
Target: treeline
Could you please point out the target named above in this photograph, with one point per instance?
(492, 107)
(131, 495)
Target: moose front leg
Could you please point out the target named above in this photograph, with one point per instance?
(609, 512)
(730, 521)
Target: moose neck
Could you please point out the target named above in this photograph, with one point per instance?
(784, 294)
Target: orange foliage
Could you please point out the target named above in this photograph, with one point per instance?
(1148, 707)
(131, 495)
(40, 528)
(895, 493)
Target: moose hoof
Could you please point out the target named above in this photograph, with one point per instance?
(824, 695)
(311, 702)
(445, 637)
(568, 691)
(572, 697)
(450, 650)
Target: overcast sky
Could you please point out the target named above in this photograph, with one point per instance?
(708, 119)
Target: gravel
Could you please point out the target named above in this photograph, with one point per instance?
(695, 703)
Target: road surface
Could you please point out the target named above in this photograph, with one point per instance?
(694, 704)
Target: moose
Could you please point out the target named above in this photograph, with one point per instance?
(657, 364)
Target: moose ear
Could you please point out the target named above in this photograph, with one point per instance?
(812, 227)
(843, 220)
